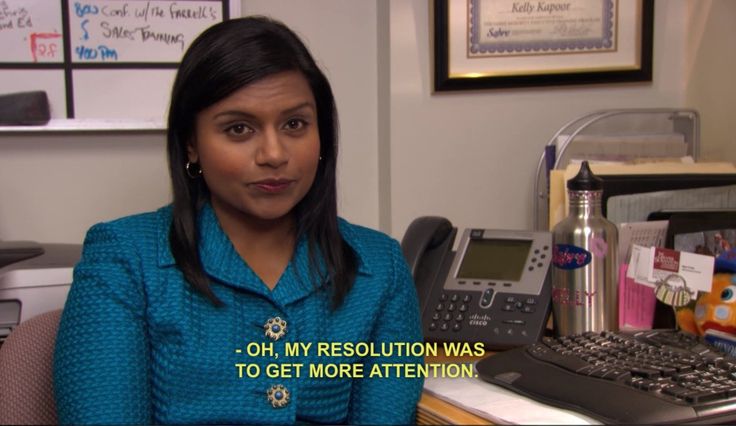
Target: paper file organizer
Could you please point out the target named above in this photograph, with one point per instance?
(616, 135)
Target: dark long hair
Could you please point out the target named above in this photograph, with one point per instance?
(223, 59)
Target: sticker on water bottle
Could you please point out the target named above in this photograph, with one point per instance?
(567, 256)
(598, 246)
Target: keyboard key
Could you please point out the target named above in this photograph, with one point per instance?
(676, 391)
(703, 396)
(645, 372)
(617, 375)
(543, 353)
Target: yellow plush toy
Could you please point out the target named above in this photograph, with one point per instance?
(714, 312)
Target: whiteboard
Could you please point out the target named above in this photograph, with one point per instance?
(122, 54)
(119, 93)
(31, 31)
(137, 30)
(50, 81)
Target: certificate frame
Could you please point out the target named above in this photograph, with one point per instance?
(457, 67)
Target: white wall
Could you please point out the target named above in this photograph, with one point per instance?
(709, 74)
(54, 187)
(471, 156)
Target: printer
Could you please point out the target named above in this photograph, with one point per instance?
(34, 278)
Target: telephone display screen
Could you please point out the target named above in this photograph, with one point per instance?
(494, 259)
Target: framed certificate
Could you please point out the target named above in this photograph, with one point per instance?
(489, 44)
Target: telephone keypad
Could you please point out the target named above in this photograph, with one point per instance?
(508, 315)
(443, 318)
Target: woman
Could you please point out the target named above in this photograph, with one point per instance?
(186, 314)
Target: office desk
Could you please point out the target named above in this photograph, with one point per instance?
(434, 411)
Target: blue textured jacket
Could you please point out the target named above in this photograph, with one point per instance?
(137, 345)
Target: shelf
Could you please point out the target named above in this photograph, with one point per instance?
(89, 125)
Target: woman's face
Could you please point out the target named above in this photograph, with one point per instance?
(259, 148)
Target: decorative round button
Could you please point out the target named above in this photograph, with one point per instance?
(275, 328)
(278, 396)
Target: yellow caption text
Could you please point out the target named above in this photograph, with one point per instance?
(355, 360)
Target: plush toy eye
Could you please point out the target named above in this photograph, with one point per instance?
(729, 294)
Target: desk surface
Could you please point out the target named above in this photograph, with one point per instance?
(434, 411)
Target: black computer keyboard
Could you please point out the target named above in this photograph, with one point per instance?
(655, 376)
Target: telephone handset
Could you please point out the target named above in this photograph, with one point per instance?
(426, 243)
(495, 289)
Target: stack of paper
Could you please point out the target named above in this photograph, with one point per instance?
(499, 405)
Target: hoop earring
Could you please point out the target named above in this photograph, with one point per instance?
(193, 170)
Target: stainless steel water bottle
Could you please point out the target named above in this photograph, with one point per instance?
(585, 267)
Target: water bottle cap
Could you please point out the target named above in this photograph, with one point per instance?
(585, 180)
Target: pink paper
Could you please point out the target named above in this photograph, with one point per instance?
(636, 303)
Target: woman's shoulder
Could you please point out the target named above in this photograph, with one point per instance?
(365, 238)
(374, 248)
(144, 227)
(382, 268)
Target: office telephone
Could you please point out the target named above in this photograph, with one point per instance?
(495, 289)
